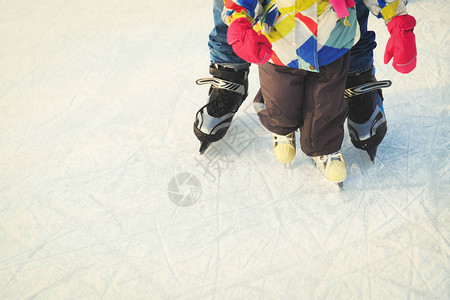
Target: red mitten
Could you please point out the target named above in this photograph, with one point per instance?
(402, 44)
(247, 44)
(341, 7)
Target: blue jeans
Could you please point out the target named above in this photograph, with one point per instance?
(220, 51)
(361, 58)
(361, 55)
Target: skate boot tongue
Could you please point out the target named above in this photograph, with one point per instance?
(225, 102)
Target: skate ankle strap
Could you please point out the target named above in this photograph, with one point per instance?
(222, 84)
(366, 87)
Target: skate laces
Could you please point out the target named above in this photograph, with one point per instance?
(283, 139)
(327, 159)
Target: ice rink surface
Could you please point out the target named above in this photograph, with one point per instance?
(103, 194)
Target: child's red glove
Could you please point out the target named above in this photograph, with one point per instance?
(341, 7)
(402, 44)
(247, 44)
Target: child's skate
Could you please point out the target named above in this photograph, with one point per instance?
(333, 167)
(284, 147)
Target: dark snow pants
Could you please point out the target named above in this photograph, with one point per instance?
(313, 102)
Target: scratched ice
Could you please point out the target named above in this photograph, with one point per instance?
(97, 102)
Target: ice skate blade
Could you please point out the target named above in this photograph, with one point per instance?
(340, 186)
(204, 146)
(372, 153)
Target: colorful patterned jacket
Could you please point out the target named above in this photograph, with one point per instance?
(306, 34)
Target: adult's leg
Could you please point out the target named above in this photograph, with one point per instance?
(229, 85)
(361, 58)
(220, 51)
(366, 119)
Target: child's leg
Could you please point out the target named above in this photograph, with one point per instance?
(282, 91)
(325, 109)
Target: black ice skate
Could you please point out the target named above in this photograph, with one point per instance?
(366, 121)
(228, 90)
